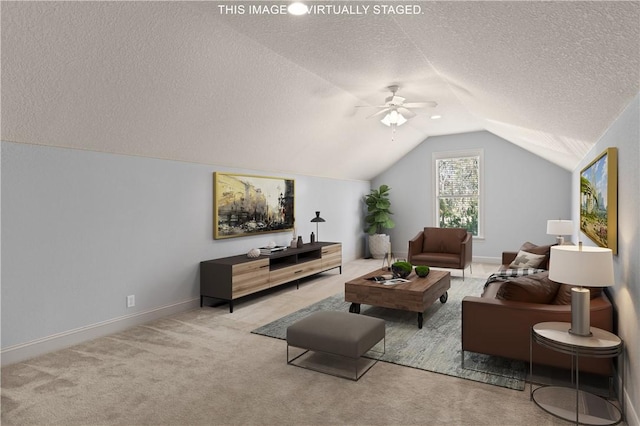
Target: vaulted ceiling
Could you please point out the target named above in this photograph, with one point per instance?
(193, 81)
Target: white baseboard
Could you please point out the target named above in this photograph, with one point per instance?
(24, 351)
(630, 414)
(476, 259)
(487, 259)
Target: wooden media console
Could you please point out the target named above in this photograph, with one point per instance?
(230, 278)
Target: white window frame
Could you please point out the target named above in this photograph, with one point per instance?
(459, 154)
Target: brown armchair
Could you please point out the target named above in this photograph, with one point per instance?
(442, 248)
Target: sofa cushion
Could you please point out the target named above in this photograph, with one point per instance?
(563, 297)
(525, 259)
(536, 288)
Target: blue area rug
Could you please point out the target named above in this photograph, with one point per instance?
(436, 347)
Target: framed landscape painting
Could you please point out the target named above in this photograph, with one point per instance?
(250, 205)
(599, 200)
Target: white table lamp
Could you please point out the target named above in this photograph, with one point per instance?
(582, 267)
(559, 228)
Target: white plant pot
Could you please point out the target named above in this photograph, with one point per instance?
(379, 245)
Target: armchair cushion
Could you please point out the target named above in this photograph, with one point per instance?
(443, 240)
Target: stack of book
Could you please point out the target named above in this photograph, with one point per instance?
(270, 250)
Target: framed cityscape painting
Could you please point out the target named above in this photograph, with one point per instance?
(250, 205)
(599, 200)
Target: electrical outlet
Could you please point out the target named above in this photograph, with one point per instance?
(131, 301)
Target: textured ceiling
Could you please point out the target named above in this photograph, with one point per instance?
(183, 81)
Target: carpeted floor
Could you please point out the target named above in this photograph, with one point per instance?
(204, 367)
(436, 347)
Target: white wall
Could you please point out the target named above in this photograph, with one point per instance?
(522, 191)
(625, 135)
(82, 230)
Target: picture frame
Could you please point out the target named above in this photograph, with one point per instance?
(599, 200)
(245, 205)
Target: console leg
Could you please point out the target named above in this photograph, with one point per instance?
(201, 300)
(230, 306)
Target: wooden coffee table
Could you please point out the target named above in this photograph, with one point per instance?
(414, 296)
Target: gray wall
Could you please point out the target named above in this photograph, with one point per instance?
(625, 135)
(522, 191)
(82, 230)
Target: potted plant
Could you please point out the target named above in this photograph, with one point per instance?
(378, 219)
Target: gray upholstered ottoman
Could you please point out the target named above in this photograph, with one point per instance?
(338, 333)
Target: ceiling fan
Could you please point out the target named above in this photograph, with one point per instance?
(396, 111)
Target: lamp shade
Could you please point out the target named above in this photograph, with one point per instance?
(318, 218)
(581, 266)
(559, 227)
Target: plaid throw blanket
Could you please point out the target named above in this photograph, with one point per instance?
(507, 274)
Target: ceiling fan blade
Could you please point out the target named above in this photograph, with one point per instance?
(379, 113)
(407, 113)
(421, 104)
(395, 100)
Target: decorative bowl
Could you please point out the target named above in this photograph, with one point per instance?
(422, 271)
(401, 269)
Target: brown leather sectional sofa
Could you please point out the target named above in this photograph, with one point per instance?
(499, 321)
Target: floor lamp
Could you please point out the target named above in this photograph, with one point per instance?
(582, 267)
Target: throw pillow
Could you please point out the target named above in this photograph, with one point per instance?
(524, 259)
(563, 297)
(532, 248)
(536, 288)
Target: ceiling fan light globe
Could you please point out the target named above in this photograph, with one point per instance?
(297, 8)
(393, 118)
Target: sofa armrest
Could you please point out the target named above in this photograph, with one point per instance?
(508, 257)
(503, 328)
(416, 244)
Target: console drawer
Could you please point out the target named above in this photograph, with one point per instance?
(293, 272)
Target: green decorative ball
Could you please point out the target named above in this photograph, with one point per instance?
(401, 269)
(422, 271)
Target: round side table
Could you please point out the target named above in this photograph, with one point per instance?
(568, 403)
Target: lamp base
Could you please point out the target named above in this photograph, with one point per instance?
(580, 314)
(560, 240)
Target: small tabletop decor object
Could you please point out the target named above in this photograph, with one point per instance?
(254, 252)
(422, 271)
(401, 269)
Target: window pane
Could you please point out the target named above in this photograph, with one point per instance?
(459, 212)
(458, 176)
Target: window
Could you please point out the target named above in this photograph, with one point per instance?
(458, 189)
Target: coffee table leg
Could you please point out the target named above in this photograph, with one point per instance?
(444, 297)
(420, 319)
(354, 308)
